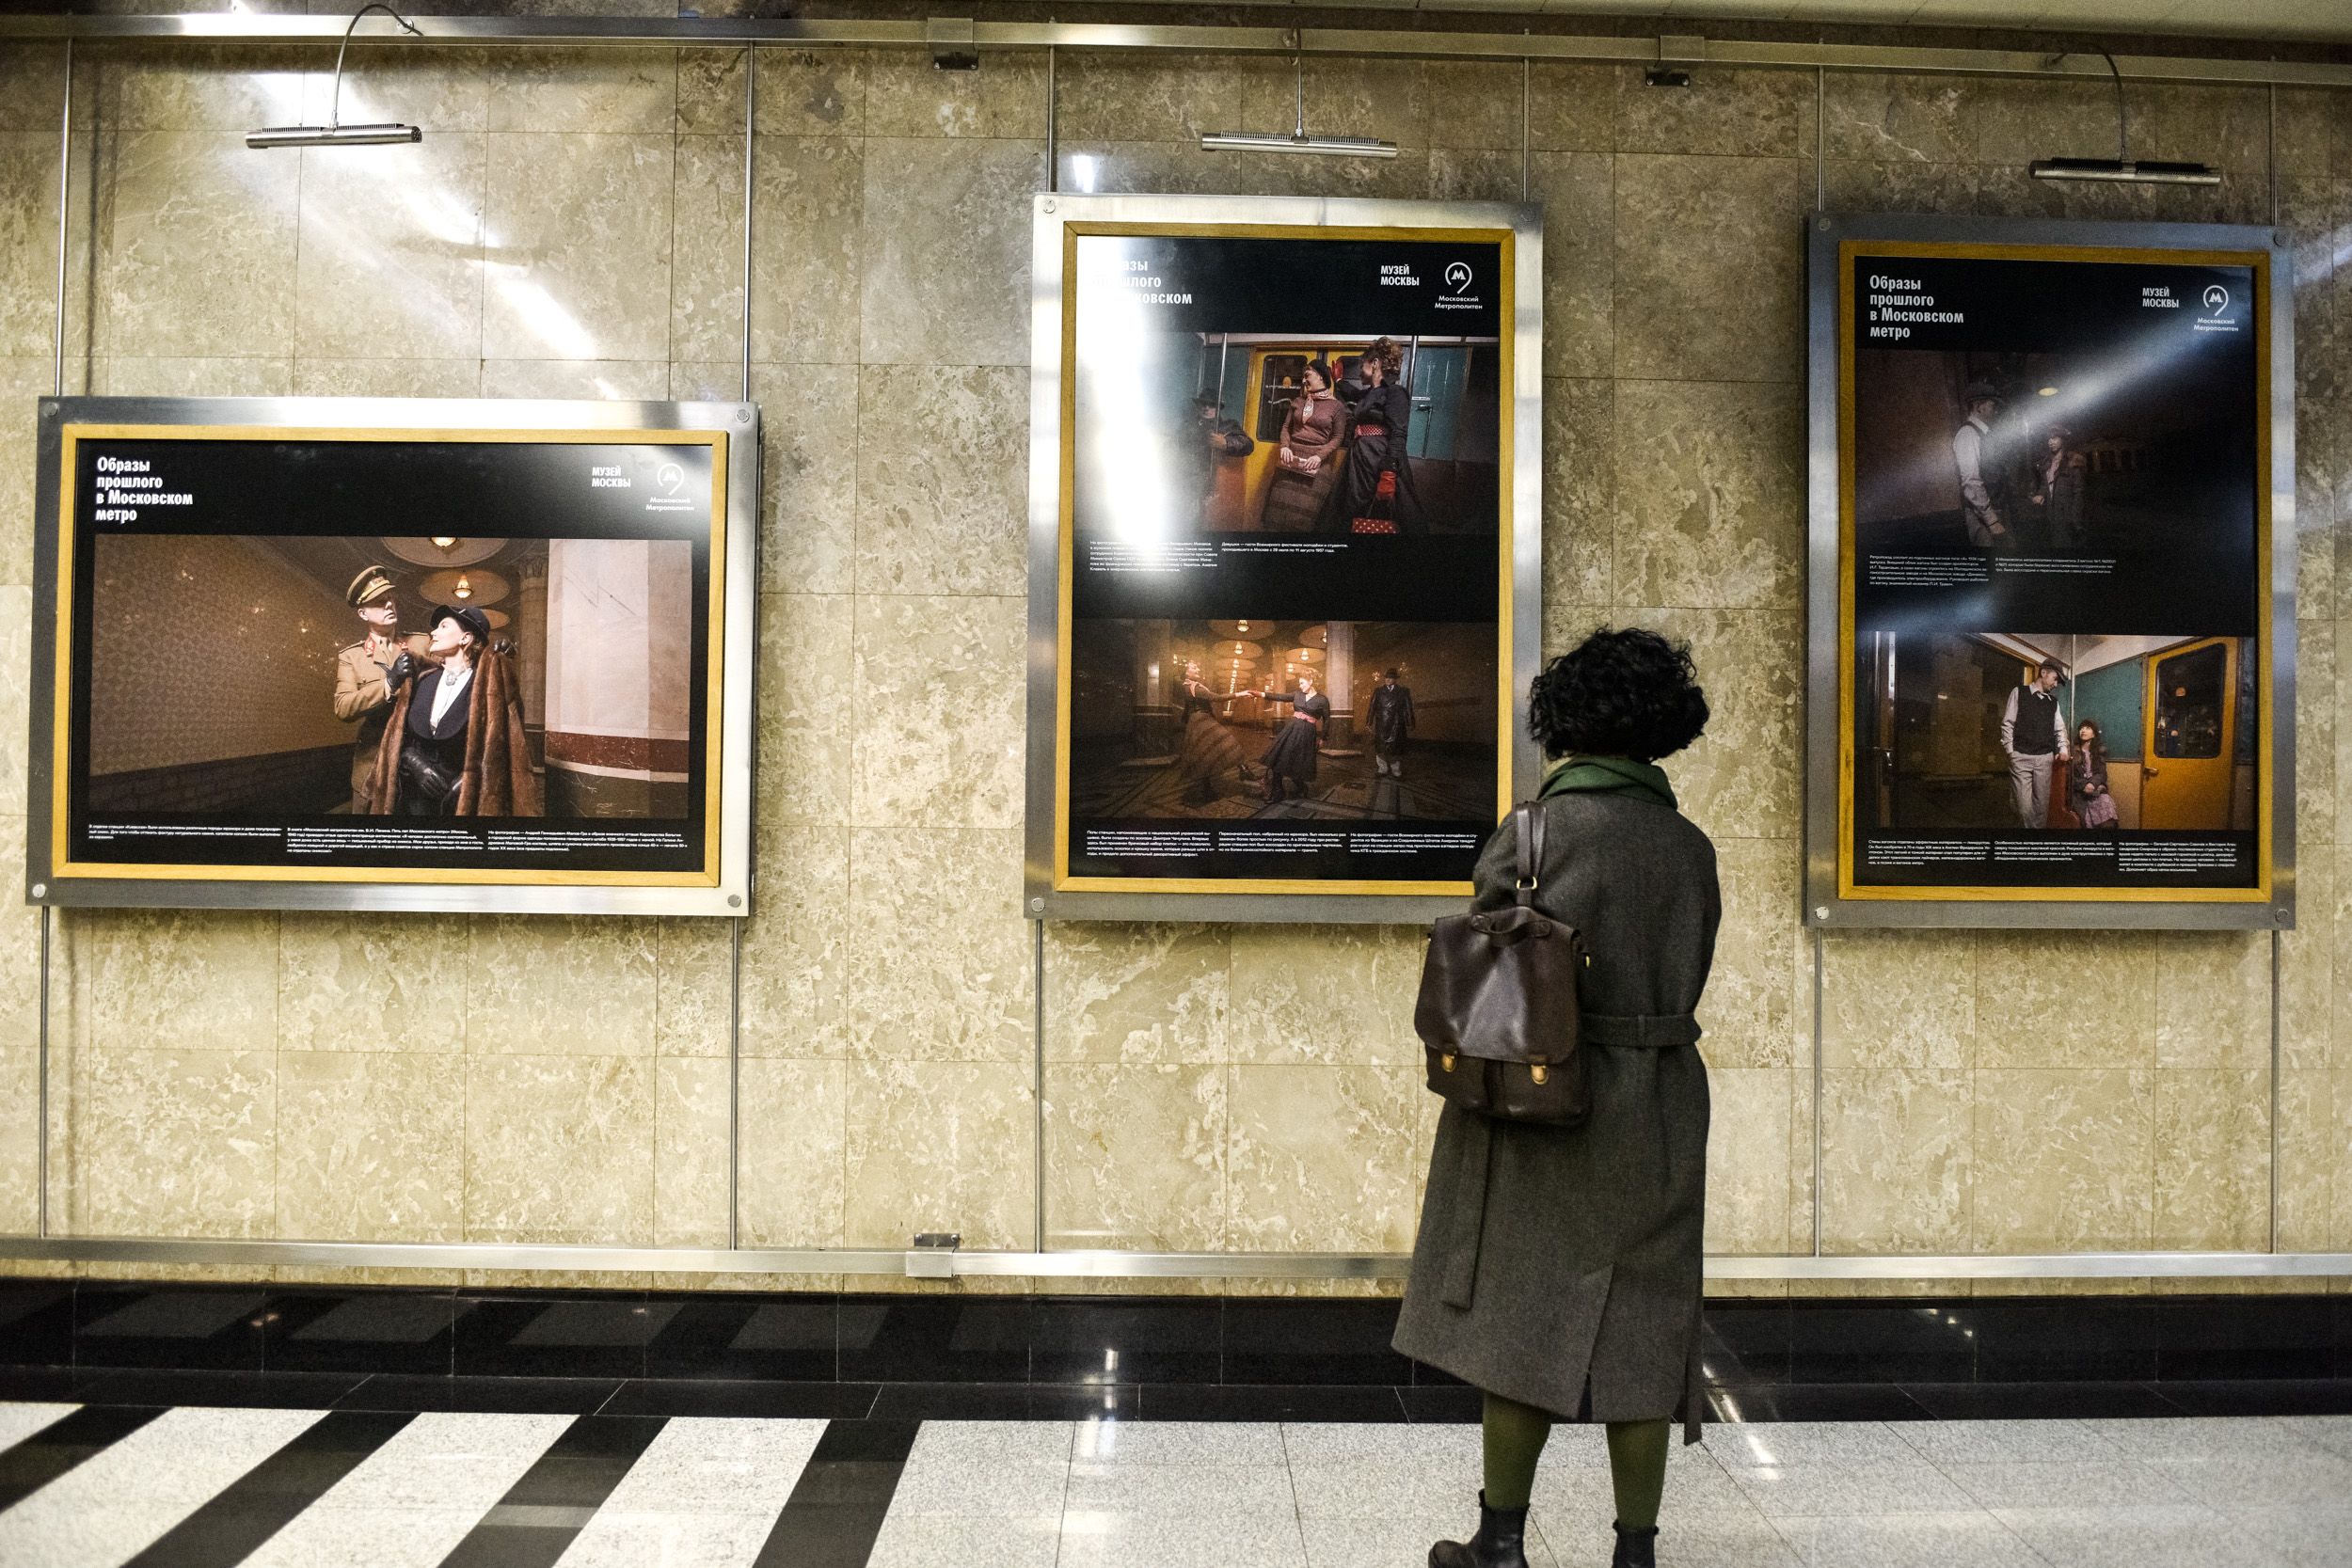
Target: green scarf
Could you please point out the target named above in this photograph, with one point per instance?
(1644, 781)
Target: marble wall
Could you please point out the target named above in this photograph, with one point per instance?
(572, 226)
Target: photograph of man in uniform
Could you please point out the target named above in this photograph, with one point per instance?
(2033, 734)
(1391, 723)
(368, 672)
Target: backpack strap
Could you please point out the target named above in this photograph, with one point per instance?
(1527, 829)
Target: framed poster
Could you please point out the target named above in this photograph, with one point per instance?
(393, 654)
(2052, 645)
(1284, 552)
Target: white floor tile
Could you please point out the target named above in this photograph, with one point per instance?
(948, 1540)
(1795, 1490)
(1264, 1540)
(1907, 1541)
(1179, 1443)
(2003, 1442)
(2115, 1484)
(1180, 1492)
(2169, 1537)
(718, 1464)
(20, 1422)
(1775, 1443)
(615, 1539)
(1394, 1543)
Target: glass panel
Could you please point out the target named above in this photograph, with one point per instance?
(2189, 695)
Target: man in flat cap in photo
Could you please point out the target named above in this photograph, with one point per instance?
(370, 671)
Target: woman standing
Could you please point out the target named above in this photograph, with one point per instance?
(1307, 461)
(2087, 786)
(1207, 748)
(453, 744)
(1380, 415)
(2058, 487)
(1558, 1269)
(1291, 760)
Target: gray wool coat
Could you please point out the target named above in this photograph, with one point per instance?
(1561, 1266)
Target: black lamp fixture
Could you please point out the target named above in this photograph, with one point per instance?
(2122, 169)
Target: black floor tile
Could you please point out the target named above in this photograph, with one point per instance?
(1312, 1342)
(542, 1512)
(232, 1523)
(1122, 1339)
(1878, 1342)
(185, 1327)
(2245, 1337)
(1458, 1402)
(2070, 1340)
(249, 1390)
(37, 1321)
(936, 1340)
(710, 1396)
(522, 1395)
(1742, 1342)
(837, 1504)
(1268, 1401)
(743, 1337)
(2040, 1402)
(1426, 1376)
(574, 1335)
(40, 1385)
(1814, 1401)
(32, 1464)
(1004, 1402)
(361, 1331)
(2266, 1396)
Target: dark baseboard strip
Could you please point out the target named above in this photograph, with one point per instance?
(234, 1522)
(537, 1521)
(835, 1511)
(64, 1443)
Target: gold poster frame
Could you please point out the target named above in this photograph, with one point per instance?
(70, 435)
(2259, 317)
(1504, 240)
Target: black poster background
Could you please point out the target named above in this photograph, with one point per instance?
(1245, 284)
(2163, 344)
(326, 487)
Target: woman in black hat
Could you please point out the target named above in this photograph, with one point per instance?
(455, 746)
(432, 750)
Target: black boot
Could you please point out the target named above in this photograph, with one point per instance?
(1636, 1548)
(1500, 1541)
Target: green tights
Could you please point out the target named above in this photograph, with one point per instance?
(1514, 1434)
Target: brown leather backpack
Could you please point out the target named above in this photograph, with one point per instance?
(1497, 1012)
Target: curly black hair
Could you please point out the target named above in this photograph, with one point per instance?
(1627, 693)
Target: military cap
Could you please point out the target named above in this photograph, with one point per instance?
(368, 586)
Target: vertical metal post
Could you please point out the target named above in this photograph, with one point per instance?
(56, 388)
(1527, 125)
(1037, 1098)
(735, 927)
(65, 182)
(2276, 1055)
(751, 142)
(1053, 124)
(1821, 138)
(1817, 1091)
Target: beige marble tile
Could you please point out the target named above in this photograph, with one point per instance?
(370, 1148)
(794, 1120)
(2066, 999)
(443, 91)
(1134, 1157)
(32, 87)
(1325, 995)
(690, 1151)
(372, 983)
(807, 195)
(710, 91)
(1742, 778)
(1709, 281)
(807, 715)
(1576, 191)
(173, 1141)
(20, 1140)
(795, 944)
(23, 381)
(1477, 103)
(184, 980)
(938, 689)
(1136, 994)
(942, 494)
(1757, 1006)
(1899, 999)
(577, 231)
(1572, 108)
(1750, 1151)
(28, 243)
(16, 651)
(2306, 962)
(2213, 1159)
(1320, 1159)
(939, 1146)
(2213, 999)
(1724, 112)
(1184, 168)
(1113, 96)
(1580, 445)
(693, 987)
(1710, 496)
(947, 248)
(906, 96)
(808, 478)
(1890, 118)
(600, 89)
(195, 238)
(560, 1149)
(199, 87)
(2063, 1160)
(2314, 1131)
(606, 380)
(386, 378)
(1897, 1158)
(941, 963)
(526, 976)
(1476, 174)
(1348, 96)
(2316, 744)
(162, 376)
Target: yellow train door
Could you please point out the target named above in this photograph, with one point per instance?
(2189, 747)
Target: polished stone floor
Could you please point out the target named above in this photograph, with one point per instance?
(96, 1486)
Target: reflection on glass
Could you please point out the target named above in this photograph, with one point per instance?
(2189, 703)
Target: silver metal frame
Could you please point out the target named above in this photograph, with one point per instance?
(1053, 210)
(1823, 905)
(740, 583)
